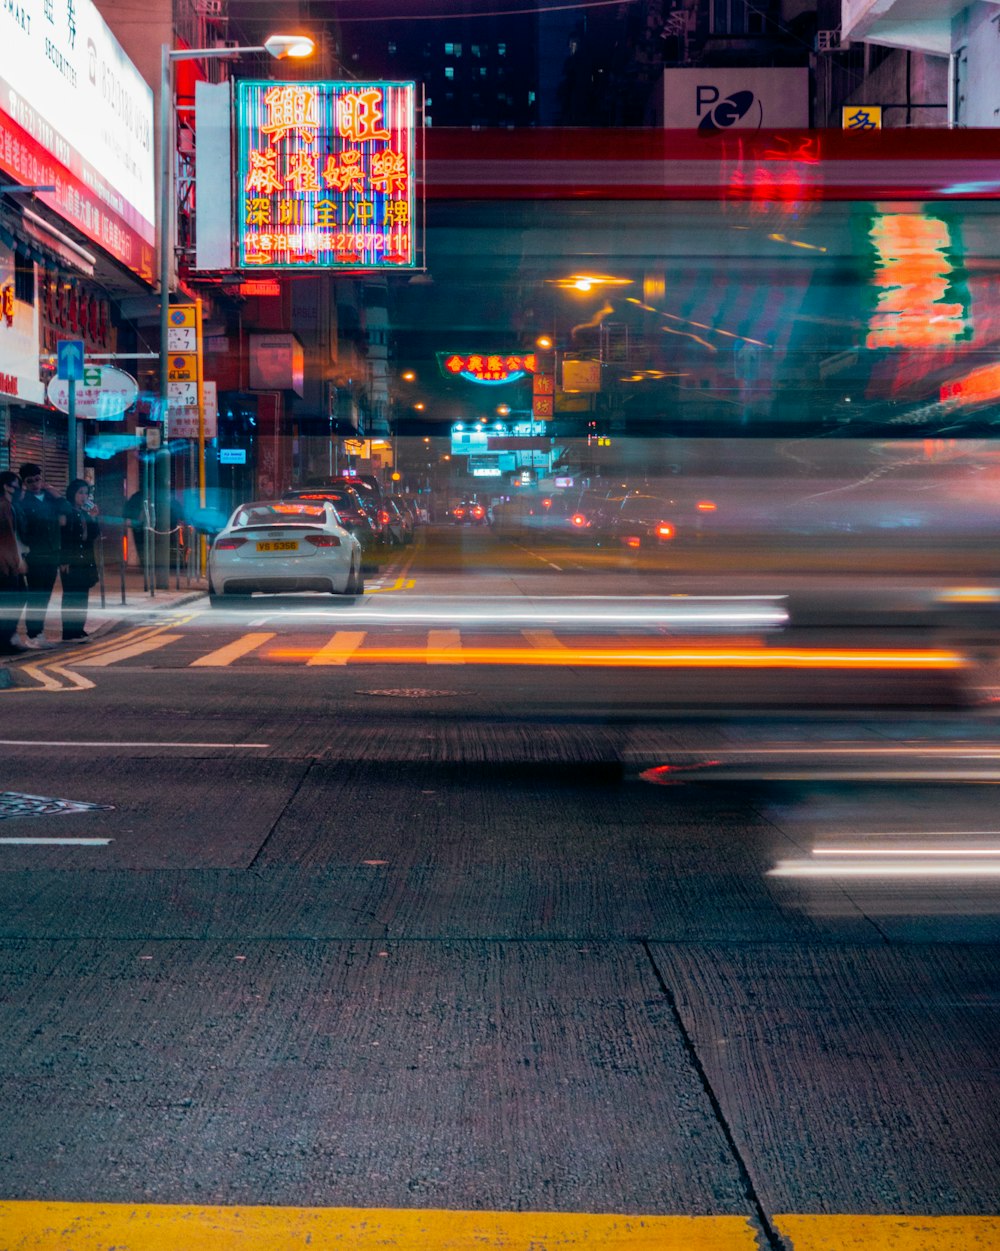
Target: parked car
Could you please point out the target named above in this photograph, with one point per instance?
(406, 516)
(395, 523)
(355, 515)
(275, 546)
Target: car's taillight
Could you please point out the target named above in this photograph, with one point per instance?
(383, 517)
(459, 512)
(665, 530)
(579, 520)
(477, 512)
(228, 545)
(323, 540)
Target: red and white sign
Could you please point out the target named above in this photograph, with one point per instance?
(18, 339)
(76, 113)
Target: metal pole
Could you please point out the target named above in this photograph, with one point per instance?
(160, 570)
(71, 435)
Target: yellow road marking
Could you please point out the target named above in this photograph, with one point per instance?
(890, 1233)
(223, 656)
(343, 644)
(445, 646)
(41, 1226)
(114, 654)
(544, 638)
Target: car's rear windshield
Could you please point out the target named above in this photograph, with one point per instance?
(291, 513)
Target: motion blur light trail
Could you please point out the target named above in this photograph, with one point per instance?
(926, 855)
(705, 657)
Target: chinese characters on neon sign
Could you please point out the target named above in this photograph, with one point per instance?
(916, 283)
(494, 368)
(326, 175)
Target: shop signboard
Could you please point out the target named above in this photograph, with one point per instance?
(18, 339)
(326, 175)
(76, 114)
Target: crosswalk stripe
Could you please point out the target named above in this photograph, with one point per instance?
(446, 646)
(544, 638)
(337, 651)
(113, 655)
(37, 1225)
(223, 656)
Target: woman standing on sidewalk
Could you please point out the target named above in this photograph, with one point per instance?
(12, 566)
(79, 566)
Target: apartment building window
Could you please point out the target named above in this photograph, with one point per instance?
(736, 17)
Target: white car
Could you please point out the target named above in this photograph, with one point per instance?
(284, 545)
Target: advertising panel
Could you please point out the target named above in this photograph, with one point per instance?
(735, 99)
(326, 175)
(75, 113)
(18, 339)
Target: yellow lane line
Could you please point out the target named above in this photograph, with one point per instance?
(41, 1226)
(890, 1233)
(113, 654)
(336, 652)
(446, 645)
(223, 656)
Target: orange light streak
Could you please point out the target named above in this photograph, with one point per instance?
(663, 658)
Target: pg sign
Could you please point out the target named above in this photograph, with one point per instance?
(326, 175)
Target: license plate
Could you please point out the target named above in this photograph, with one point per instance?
(284, 545)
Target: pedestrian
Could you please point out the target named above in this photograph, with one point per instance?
(12, 565)
(79, 565)
(43, 516)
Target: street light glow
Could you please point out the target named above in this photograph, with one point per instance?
(282, 46)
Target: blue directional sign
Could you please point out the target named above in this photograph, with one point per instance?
(69, 360)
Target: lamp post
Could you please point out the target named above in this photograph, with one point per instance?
(280, 47)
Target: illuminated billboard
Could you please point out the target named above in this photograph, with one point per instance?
(487, 367)
(76, 115)
(326, 175)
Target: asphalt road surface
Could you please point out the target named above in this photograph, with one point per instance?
(438, 937)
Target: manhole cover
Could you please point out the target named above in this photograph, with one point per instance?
(411, 692)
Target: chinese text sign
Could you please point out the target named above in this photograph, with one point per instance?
(326, 175)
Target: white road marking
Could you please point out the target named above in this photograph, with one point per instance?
(55, 842)
(232, 651)
(77, 742)
(337, 651)
(445, 641)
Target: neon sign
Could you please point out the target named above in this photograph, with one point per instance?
(327, 175)
(916, 284)
(492, 368)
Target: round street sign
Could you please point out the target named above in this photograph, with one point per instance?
(103, 394)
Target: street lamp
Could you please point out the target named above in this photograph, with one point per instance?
(280, 47)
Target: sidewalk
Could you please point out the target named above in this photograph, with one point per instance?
(139, 605)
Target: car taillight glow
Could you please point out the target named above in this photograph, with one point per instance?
(665, 530)
(228, 545)
(459, 512)
(579, 520)
(477, 512)
(383, 517)
(323, 540)
(633, 540)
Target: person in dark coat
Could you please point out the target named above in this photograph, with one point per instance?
(42, 517)
(12, 565)
(79, 565)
